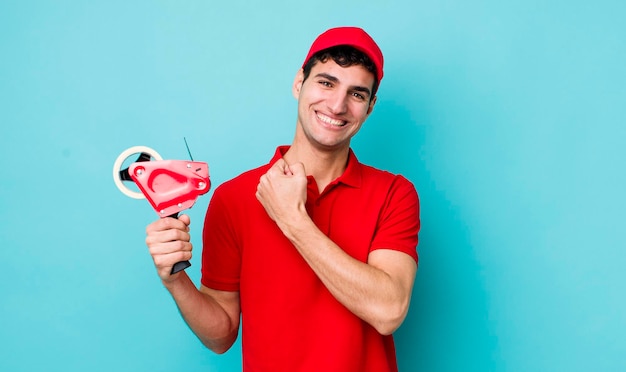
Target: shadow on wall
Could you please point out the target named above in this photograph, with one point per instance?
(447, 328)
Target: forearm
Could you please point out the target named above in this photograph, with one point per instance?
(371, 293)
(206, 317)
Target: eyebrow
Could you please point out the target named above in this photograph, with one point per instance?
(356, 88)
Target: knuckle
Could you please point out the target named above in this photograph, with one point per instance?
(179, 245)
(166, 223)
(174, 235)
(163, 273)
(158, 261)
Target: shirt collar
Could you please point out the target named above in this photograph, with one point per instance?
(350, 177)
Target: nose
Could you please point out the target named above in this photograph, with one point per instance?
(337, 102)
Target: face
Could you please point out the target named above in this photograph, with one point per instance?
(333, 103)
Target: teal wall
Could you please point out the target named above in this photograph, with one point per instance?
(509, 117)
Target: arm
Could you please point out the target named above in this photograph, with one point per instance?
(378, 291)
(212, 315)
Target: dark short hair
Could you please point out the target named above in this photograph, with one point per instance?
(344, 56)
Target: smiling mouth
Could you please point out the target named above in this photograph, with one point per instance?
(329, 120)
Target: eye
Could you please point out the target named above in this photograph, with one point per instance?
(325, 83)
(359, 96)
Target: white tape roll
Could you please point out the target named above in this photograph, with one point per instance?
(117, 167)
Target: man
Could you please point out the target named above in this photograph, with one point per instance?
(315, 251)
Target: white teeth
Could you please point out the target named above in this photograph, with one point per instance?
(330, 121)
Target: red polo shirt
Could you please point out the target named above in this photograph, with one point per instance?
(290, 321)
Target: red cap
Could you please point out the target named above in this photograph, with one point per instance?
(354, 37)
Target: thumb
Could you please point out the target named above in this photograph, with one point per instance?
(184, 219)
(297, 169)
(280, 166)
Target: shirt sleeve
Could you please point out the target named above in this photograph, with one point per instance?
(399, 222)
(221, 254)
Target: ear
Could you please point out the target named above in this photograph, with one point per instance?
(371, 107)
(297, 84)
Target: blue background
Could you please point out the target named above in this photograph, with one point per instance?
(508, 116)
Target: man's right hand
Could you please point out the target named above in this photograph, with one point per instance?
(168, 240)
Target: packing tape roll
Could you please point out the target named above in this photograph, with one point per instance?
(118, 165)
